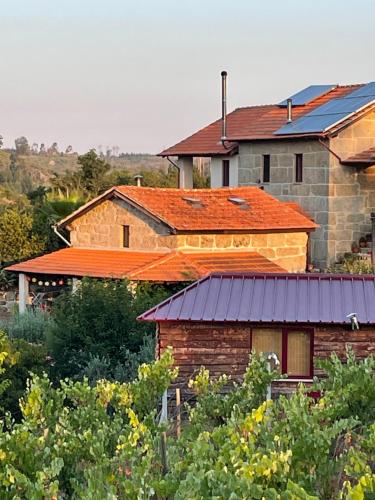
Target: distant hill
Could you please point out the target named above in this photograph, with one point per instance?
(40, 168)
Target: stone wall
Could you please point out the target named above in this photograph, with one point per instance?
(288, 250)
(8, 303)
(311, 194)
(102, 227)
(352, 188)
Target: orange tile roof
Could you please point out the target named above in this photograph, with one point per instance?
(364, 158)
(251, 123)
(144, 266)
(87, 262)
(217, 213)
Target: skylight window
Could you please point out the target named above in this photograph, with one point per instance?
(240, 202)
(193, 202)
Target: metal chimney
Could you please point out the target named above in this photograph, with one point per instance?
(289, 110)
(138, 178)
(223, 105)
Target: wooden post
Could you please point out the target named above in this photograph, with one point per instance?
(163, 436)
(178, 412)
(164, 408)
(163, 452)
(74, 285)
(23, 293)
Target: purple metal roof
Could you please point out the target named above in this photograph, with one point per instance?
(290, 298)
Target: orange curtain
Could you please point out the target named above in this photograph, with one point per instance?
(267, 340)
(298, 353)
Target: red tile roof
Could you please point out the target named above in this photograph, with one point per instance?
(280, 298)
(261, 211)
(364, 158)
(144, 266)
(251, 123)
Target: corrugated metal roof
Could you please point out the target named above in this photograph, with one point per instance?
(268, 298)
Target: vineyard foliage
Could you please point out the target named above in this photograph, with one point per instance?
(104, 441)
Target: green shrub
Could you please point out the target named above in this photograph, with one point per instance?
(31, 326)
(30, 359)
(98, 324)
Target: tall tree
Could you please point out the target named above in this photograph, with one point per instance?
(93, 170)
(1, 140)
(22, 146)
(17, 240)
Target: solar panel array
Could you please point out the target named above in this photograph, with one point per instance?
(331, 113)
(307, 95)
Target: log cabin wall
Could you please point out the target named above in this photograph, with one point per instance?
(224, 348)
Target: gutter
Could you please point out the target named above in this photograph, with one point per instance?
(330, 150)
(55, 230)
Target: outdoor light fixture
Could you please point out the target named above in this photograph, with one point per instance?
(354, 321)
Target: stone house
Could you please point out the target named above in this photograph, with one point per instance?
(316, 148)
(300, 318)
(171, 235)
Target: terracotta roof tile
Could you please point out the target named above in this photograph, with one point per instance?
(217, 213)
(365, 158)
(260, 212)
(144, 266)
(251, 123)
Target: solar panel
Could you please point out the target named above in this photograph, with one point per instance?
(331, 113)
(308, 94)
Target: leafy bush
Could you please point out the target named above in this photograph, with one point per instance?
(31, 326)
(97, 325)
(103, 441)
(100, 367)
(29, 359)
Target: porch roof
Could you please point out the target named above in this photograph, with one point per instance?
(158, 266)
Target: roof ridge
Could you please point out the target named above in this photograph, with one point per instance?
(161, 260)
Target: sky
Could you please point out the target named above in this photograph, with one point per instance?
(142, 75)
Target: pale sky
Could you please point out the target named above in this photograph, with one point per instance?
(142, 75)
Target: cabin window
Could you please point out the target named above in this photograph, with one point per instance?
(225, 173)
(125, 236)
(266, 168)
(299, 167)
(293, 348)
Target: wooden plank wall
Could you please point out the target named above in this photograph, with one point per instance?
(220, 348)
(225, 348)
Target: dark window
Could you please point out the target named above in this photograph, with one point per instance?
(225, 173)
(299, 167)
(292, 346)
(266, 168)
(126, 236)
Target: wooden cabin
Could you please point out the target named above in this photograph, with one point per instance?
(218, 320)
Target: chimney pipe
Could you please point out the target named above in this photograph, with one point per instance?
(289, 108)
(138, 178)
(223, 105)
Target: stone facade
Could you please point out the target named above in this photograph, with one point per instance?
(102, 227)
(288, 250)
(339, 198)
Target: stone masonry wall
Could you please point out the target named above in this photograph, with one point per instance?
(288, 250)
(352, 188)
(311, 194)
(101, 227)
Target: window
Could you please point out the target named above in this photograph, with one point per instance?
(266, 168)
(299, 167)
(293, 348)
(225, 173)
(125, 237)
